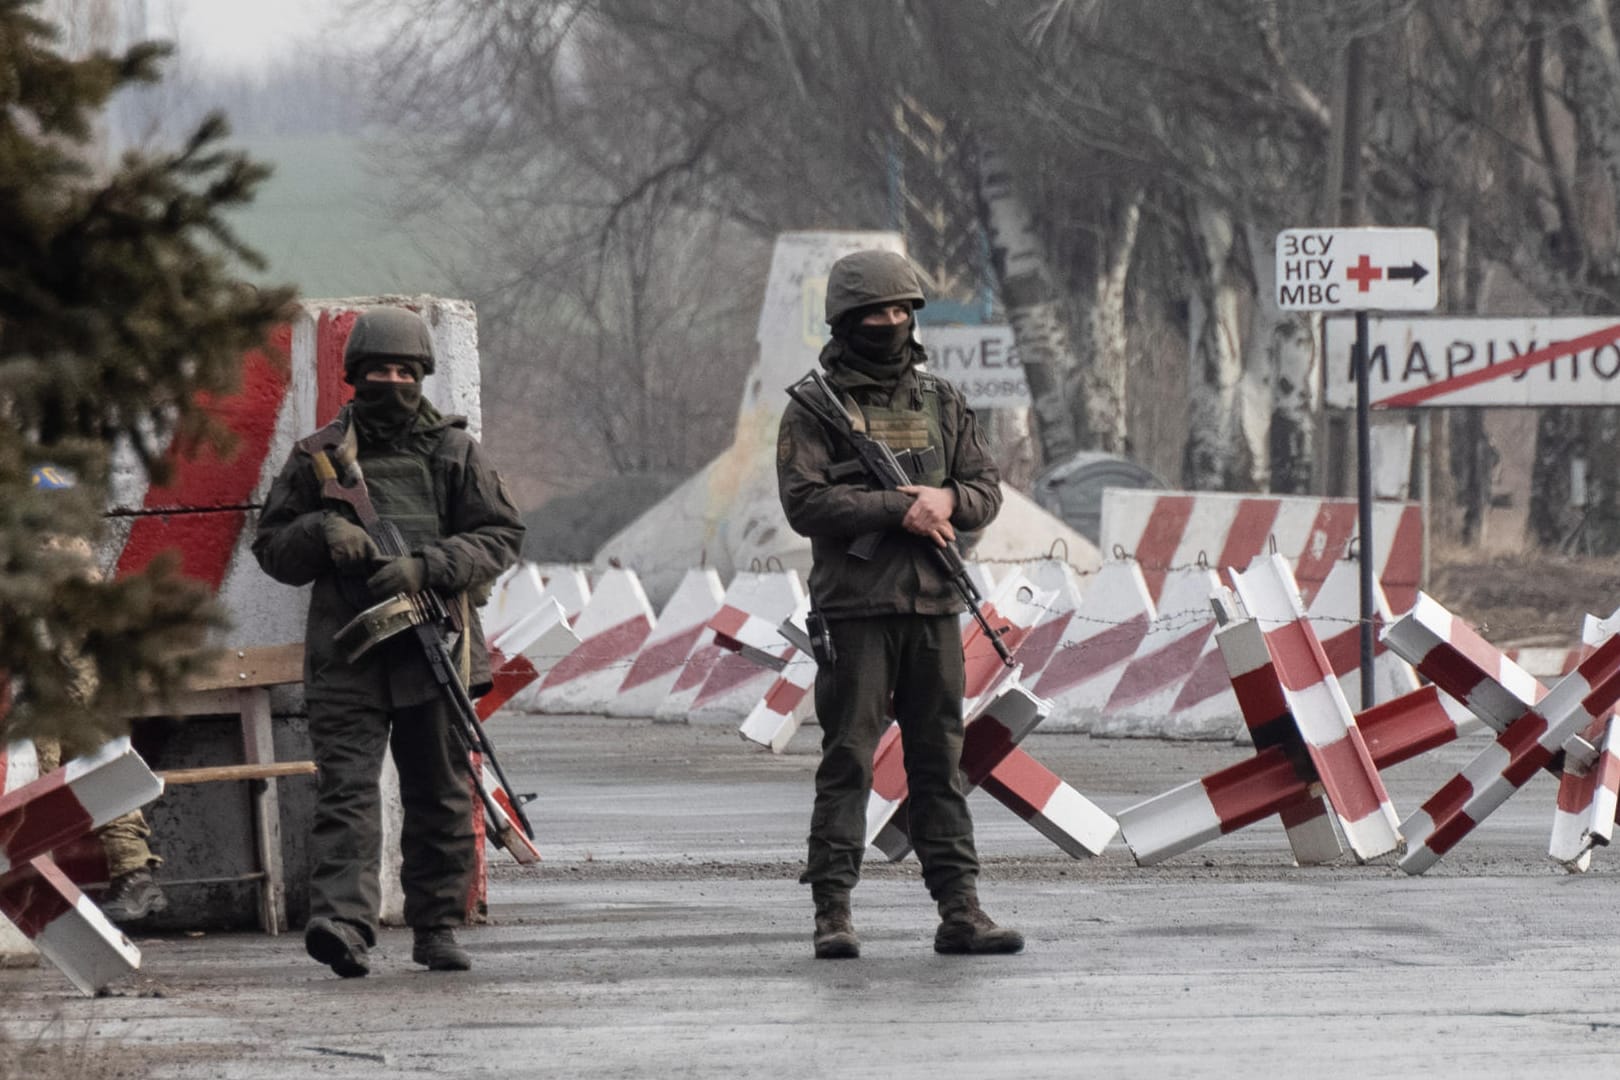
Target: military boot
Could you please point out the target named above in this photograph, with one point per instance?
(337, 945)
(965, 928)
(436, 949)
(835, 934)
(132, 897)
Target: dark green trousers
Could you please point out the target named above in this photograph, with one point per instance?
(437, 838)
(916, 659)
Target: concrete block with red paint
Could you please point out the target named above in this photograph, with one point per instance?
(1335, 614)
(1321, 714)
(515, 595)
(1095, 647)
(568, 584)
(611, 629)
(525, 653)
(1014, 608)
(776, 718)
(674, 636)
(735, 684)
(1527, 744)
(1178, 646)
(206, 511)
(1165, 530)
(1065, 585)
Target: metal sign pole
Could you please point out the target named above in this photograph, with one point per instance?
(1364, 505)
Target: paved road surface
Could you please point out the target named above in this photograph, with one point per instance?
(665, 936)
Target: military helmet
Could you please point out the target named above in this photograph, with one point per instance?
(388, 333)
(868, 278)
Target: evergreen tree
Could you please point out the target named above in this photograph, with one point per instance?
(119, 306)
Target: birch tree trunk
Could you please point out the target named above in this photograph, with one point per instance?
(1282, 365)
(1098, 390)
(1221, 451)
(1029, 293)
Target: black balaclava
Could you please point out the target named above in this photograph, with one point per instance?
(881, 352)
(384, 411)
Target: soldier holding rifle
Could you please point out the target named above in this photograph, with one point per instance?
(886, 604)
(457, 529)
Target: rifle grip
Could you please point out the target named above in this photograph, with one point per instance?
(865, 546)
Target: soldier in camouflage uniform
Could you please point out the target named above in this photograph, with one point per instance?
(893, 620)
(429, 477)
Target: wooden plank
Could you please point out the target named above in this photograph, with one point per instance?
(264, 665)
(258, 748)
(212, 773)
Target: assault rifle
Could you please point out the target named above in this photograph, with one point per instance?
(428, 616)
(882, 468)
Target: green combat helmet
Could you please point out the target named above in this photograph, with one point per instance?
(866, 278)
(388, 332)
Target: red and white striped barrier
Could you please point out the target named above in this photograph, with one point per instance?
(1093, 650)
(569, 585)
(82, 795)
(1172, 650)
(1335, 613)
(1454, 657)
(789, 702)
(525, 653)
(1588, 798)
(1013, 609)
(679, 627)
(1164, 530)
(1060, 579)
(515, 594)
(1527, 744)
(1548, 663)
(56, 812)
(1308, 821)
(611, 629)
(66, 927)
(736, 683)
(1321, 714)
(1270, 783)
(1056, 810)
(991, 759)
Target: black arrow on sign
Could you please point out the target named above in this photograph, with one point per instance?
(1415, 272)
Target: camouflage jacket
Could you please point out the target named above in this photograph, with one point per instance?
(902, 577)
(480, 534)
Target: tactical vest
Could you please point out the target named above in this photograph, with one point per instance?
(401, 487)
(903, 429)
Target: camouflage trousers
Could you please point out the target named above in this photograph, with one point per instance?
(916, 659)
(123, 839)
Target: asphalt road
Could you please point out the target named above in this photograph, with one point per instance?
(665, 935)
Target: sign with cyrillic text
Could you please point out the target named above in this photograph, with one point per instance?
(1358, 270)
(1443, 361)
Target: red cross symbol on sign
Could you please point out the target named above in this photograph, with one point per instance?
(1364, 273)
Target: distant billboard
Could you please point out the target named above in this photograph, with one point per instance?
(982, 360)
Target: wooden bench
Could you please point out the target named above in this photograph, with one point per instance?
(239, 683)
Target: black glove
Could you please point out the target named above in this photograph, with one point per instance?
(351, 548)
(406, 574)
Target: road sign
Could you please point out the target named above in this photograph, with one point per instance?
(1357, 270)
(982, 360)
(1537, 360)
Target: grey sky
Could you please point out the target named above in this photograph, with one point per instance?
(240, 33)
